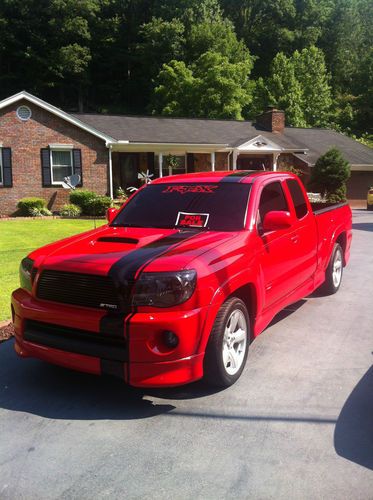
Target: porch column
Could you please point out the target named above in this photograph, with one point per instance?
(275, 158)
(213, 161)
(234, 158)
(160, 162)
(110, 174)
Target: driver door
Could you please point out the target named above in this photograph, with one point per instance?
(277, 248)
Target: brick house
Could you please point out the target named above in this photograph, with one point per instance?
(41, 144)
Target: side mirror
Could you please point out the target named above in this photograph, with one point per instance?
(110, 214)
(275, 220)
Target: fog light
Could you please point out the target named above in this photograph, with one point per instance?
(170, 339)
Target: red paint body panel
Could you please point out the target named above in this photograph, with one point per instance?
(269, 271)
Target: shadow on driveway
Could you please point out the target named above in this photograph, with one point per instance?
(363, 226)
(353, 435)
(49, 391)
(39, 388)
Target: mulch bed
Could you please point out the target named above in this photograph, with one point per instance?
(6, 330)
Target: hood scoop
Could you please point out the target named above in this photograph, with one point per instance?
(118, 239)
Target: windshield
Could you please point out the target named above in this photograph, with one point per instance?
(214, 206)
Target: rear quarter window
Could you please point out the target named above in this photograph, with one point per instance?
(297, 195)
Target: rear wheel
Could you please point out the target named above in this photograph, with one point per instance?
(334, 271)
(228, 344)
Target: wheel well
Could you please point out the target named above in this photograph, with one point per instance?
(342, 240)
(248, 296)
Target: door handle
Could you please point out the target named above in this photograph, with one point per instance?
(294, 239)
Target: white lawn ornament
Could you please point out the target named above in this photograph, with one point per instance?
(145, 177)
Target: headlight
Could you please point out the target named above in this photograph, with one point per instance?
(164, 289)
(25, 273)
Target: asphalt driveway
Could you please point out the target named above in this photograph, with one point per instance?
(298, 424)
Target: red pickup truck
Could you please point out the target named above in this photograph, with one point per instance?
(181, 279)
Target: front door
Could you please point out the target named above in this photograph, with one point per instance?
(254, 163)
(125, 171)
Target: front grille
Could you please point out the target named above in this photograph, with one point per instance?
(86, 290)
(78, 341)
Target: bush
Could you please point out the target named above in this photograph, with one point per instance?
(98, 205)
(82, 197)
(26, 204)
(329, 176)
(70, 210)
(39, 212)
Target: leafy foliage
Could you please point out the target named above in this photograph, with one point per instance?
(98, 205)
(299, 85)
(221, 58)
(82, 198)
(330, 174)
(70, 210)
(26, 205)
(213, 87)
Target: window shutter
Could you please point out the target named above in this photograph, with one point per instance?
(190, 163)
(46, 167)
(77, 164)
(7, 167)
(150, 162)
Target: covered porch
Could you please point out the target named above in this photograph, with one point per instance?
(127, 160)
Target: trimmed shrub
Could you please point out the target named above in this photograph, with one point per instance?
(82, 197)
(329, 176)
(70, 210)
(26, 204)
(39, 212)
(98, 205)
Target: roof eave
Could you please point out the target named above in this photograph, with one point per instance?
(55, 111)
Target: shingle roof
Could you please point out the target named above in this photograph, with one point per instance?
(319, 141)
(230, 132)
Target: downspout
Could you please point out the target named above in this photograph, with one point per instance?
(110, 174)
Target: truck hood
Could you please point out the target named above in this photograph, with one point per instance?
(122, 251)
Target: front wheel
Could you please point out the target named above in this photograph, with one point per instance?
(228, 344)
(334, 271)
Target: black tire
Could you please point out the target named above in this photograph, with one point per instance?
(215, 371)
(329, 287)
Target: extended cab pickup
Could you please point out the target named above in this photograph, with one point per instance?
(181, 279)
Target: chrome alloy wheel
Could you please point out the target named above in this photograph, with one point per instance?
(234, 342)
(337, 268)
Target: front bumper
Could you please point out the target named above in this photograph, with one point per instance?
(148, 362)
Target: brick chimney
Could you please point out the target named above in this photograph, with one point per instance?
(272, 120)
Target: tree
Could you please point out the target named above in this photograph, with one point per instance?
(285, 90)
(313, 78)
(330, 174)
(174, 90)
(266, 27)
(298, 85)
(364, 101)
(212, 87)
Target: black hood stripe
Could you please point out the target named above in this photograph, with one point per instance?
(127, 269)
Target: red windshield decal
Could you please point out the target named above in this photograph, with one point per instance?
(190, 189)
(185, 219)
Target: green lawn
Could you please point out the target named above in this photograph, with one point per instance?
(19, 237)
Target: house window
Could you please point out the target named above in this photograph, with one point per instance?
(61, 164)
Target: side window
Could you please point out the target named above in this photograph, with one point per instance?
(297, 195)
(61, 164)
(272, 198)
